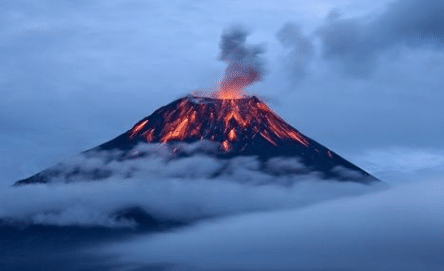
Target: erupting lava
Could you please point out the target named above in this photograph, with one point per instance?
(244, 65)
(239, 125)
(228, 94)
(234, 123)
(237, 76)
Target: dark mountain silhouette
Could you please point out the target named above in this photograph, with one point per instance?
(238, 127)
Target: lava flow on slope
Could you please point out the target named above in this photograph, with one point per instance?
(238, 124)
(240, 127)
(243, 126)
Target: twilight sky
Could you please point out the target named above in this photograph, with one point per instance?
(363, 78)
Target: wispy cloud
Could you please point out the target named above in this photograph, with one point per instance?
(299, 50)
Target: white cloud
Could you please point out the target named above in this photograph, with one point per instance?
(95, 203)
(184, 189)
(398, 229)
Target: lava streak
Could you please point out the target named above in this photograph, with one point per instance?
(138, 127)
(233, 123)
(232, 135)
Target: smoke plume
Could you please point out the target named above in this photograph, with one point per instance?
(244, 64)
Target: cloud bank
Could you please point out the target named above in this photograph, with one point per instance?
(91, 189)
(397, 229)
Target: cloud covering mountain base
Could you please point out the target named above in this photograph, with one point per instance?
(181, 190)
(397, 229)
(243, 219)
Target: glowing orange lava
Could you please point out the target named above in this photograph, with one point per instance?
(234, 123)
(225, 146)
(137, 128)
(232, 135)
(231, 85)
(177, 132)
(231, 93)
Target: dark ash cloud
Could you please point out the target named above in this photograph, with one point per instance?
(345, 42)
(356, 43)
(413, 22)
(244, 64)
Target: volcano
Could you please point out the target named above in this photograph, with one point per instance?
(235, 127)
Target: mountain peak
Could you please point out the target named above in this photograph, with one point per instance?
(239, 127)
(243, 126)
(233, 123)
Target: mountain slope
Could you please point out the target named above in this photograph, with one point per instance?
(237, 127)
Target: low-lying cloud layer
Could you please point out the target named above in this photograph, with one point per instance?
(397, 229)
(88, 190)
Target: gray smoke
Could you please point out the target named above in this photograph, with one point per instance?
(299, 48)
(244, 64)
